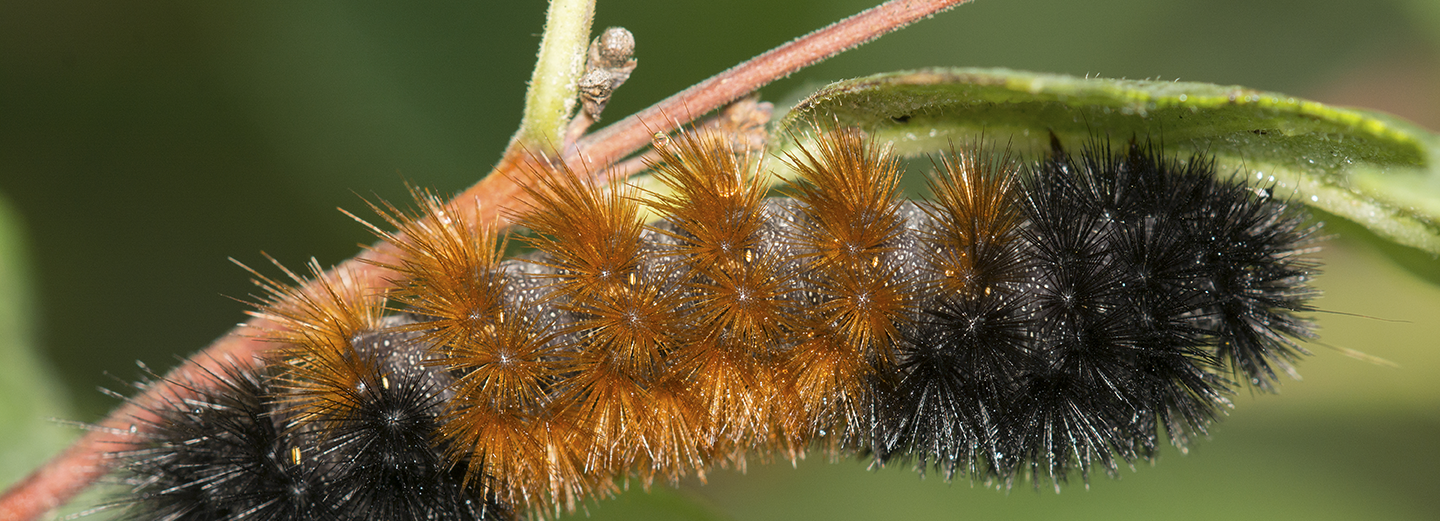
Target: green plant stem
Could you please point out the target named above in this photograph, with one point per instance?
(550, 100)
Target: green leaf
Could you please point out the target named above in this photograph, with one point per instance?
(660, 502)
(29, 393)
(1366, 166)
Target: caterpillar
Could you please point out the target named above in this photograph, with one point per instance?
(177, 322)
(1028, 323)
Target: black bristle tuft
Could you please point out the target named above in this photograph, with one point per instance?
(1106, 316)
(382, 452)
(218, 453)
(234, 452)
(1256, 278)
(958, 369)
(959, 364)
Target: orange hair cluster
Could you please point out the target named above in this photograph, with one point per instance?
(736, 327)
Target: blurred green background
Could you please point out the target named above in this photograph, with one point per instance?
(143, 143)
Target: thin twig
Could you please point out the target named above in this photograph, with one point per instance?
(624, 137)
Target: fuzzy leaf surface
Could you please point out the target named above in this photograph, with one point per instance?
(1369, 167)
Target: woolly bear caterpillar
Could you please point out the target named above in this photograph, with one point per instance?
(226, 273)
(1016, 328)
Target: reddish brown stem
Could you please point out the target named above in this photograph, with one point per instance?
(622, 138)
(492, 200)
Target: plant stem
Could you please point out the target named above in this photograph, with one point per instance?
(623, 137)
(553, 85)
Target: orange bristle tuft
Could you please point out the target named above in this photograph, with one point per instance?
(591, 233)
(848, 197)
(849, 188)
(447, 269)
(739, 301)
(848, 227)
(331, 311)
(317, 324)
(715, 204)
(503, 425)
(523, 457)
(977, 222)
(829, 395)
(621, 388)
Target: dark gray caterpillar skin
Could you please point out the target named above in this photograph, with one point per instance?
(529, 278)
(1134, 293)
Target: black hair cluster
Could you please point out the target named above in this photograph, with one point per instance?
(1127, 298)
(235, 452)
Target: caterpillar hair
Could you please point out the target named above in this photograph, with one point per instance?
(1032, 321)
(340, 426)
